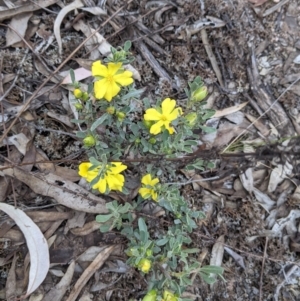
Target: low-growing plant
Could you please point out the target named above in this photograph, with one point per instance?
(123, 133)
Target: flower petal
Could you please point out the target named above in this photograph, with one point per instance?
(99, 70)
(113, 68)
(154, 181)
(124, 79)
(154, 195)
(146, 180)
(115, 182)
(175, 114)
(145, 192)
(100, 185)
(168, 106)
(116, 168)
(169, 128)
(152, 114)
(84, 168)
(100, 88)
(156, 128)
(112, 90)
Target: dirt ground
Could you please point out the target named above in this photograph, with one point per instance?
(246, 52)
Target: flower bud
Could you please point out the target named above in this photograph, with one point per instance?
(149, 252)
(151, 296)
(144, 265)
(120, 116)
(77, 93)
(152, 140)
(111, 110)
(89, 141)
(191, 118)
(169, 296)
(130, 252)
(199, 94)
(85, 96)
(78, 106)
(147, 123)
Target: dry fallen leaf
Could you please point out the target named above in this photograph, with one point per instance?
(19, 24)
(57, 292)
(36, 243)
(64, 192)
(230, 110)
(88, 273)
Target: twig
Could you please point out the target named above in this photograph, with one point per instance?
(262, 271)
(211, 56)
(275, 7)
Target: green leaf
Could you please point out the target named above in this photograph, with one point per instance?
(133, 94)
(142, 225)
(103, 218)
(125, 208)
(72, 74)
(208, 114)
(90, 88)
(95, 162)
(127, 45)
(81, 134)
(213, 269)
(207, 129)
(99, 121)
(104, 228)
(208, 279)
(112, 206)
(162, 242)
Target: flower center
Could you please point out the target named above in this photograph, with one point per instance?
(110, 79)
(163, 118)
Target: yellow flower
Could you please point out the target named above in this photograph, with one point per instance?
(112, 77)
(164, 118)
(169, 296)
(111, 179)
(147, 191)
(144, 265)
(84, 171)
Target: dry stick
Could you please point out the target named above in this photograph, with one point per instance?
(58, 68)
(262, 270)
(271, 106)
(211, 56)
(89, 272)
